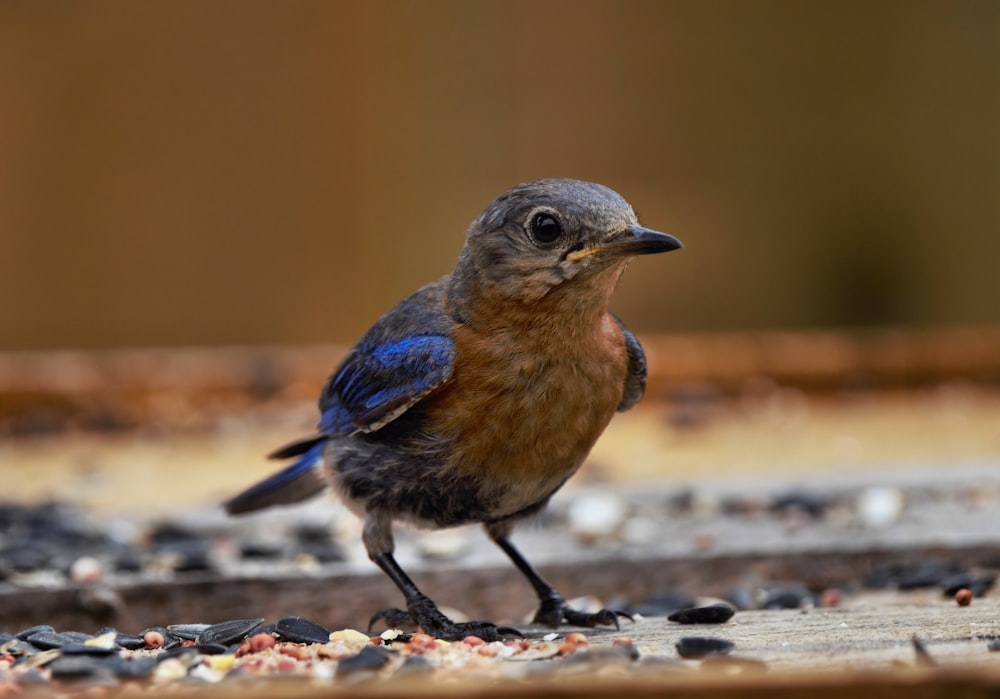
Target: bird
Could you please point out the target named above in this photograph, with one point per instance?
(479, 395)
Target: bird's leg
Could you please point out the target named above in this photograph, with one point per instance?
(553, 609)
(420, 609)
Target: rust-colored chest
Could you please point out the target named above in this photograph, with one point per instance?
(523, 411)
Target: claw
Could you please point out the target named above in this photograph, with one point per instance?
(483, 629)
(509, 631)
(433, 623)
(557, 612)
(394, 618)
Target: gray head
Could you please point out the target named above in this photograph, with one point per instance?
(545, 234)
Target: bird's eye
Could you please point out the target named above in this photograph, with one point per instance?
(545, 228)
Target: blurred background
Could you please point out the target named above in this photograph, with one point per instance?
(202, 204)
(250, 172)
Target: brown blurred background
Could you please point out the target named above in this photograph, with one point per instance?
(282, 172)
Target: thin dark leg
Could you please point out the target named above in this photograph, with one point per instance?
(422, 610)
(553, 609)
(546, 593)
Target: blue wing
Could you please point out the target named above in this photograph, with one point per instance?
(407, 354)
(378, 383)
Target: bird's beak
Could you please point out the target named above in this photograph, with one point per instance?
(634, 240)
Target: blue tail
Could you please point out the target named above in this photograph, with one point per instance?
(302, 480)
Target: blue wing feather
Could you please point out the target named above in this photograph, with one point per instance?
(379, 381)
(403, 357)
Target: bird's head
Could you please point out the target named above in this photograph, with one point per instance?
(554, 233)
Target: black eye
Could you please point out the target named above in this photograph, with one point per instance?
(545, 228)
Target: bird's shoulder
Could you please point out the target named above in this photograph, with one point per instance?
(635, 377)
(404, 356)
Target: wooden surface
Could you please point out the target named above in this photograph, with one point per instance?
(164, 433)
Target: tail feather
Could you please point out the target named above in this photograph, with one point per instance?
(300, 481)
(296, 448)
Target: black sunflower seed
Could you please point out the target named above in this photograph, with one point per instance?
(694, 647)
(979, 583)
(371, 658)
(31, 630)
(134, 668)
(32, 676)
(226, 632)
(415, 665)
(188, 653)
(74, 667)
(710, 614)
(211, 648)
(76, 636)
(299, 630)
(18, 649)
(789, 597)
(130, 642)
(46, 640)
(189, 632)
(84, 649)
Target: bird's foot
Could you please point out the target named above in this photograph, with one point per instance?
(554, 611)
(425, 614)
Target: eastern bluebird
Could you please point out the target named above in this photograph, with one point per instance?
(480, 394)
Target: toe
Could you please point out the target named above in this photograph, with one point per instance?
(604, 617)
(394, 618)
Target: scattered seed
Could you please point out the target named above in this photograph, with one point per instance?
(964, 597)
(260, 642)
(415, 664)
(371, 658)
(810, 504)
(153, 639)
(710, 614)
(75, 667)
(31, 677)
(189, 654)
(32, 630)
(46, 640)
(226, 632)
(189, 632)
(85, 649)
(134, 668)
(926, 574)
(130, 641)
(696, 647)
(831, 597)
(977, 583)
(299, 630)
(789, 597)
(626, 646)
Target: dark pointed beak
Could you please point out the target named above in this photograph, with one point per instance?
(643, 241)
(634, 240)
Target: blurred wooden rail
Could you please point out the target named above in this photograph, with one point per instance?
(118, 388)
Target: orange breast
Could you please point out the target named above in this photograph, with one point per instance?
(522, 413)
